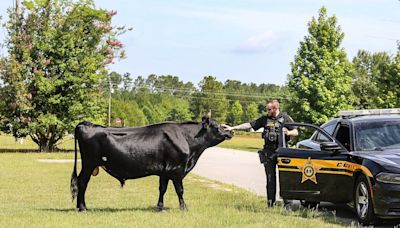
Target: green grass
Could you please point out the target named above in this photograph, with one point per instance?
(8, 143)
(36, 194)
(252, 142)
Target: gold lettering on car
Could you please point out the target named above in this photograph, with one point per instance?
(349, 166)
(309, 171)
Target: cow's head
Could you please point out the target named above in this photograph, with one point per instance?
(215, 132)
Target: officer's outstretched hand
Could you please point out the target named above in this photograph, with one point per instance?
(226, 127)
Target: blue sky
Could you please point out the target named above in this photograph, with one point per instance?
(249, 41)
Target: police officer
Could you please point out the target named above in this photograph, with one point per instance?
(271, 123)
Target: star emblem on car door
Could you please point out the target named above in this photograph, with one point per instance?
(309, 171)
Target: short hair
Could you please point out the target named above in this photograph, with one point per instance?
(275, 102)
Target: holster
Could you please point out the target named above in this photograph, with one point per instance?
(267, 155)
(262, 156)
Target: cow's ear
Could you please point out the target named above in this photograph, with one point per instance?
(205, 121)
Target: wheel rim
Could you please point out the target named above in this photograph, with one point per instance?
(362, 203)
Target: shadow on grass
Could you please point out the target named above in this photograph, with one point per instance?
(253, 207)
(106, 209)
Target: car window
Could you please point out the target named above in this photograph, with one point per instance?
(312, 146)
(378, 135)
(343, 136)
(322, 138)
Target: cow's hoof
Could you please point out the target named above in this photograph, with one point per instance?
(161, 209)
(183, 208)
(82, 209)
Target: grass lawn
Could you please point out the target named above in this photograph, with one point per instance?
(251, 142)
(8, 143)
(36, 194)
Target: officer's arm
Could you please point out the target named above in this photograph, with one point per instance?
(293, 132)
(245, 126)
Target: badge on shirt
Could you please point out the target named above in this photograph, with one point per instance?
(270, 124)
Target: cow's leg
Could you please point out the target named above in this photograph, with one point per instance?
(163, 188)
(179, 191)
(83, 180)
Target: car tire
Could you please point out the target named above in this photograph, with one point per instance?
(363, 202)
(309, 204)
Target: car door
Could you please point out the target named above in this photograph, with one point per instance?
(313, 174)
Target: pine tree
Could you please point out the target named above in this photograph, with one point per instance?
(320, 79)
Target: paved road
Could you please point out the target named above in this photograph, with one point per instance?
(240, 168)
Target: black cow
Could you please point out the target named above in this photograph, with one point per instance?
(169, 150)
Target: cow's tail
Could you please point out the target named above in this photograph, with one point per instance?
(74, 176)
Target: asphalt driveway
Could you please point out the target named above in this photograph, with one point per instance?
(240, 168)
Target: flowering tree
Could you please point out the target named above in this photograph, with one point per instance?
(57, 54)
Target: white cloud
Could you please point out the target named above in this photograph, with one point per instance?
(258, 43)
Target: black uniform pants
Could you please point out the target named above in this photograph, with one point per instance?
(270, 172)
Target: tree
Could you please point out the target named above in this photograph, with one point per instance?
(114, 79)
(127, 81)
(129, 112)
(389, 82)
(180, 111)
(154, 113)
(212, 97)
(395, 73)
(235, 114)
(369, 80)
(320, 79)
(57, 53)
(251, 112)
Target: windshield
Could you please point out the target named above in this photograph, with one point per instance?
(378, 135)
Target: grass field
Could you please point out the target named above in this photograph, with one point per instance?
(8, 143)
(36, 194)
(252, 142)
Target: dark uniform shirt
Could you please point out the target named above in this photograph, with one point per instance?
(262, 122)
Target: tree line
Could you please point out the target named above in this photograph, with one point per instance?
(155, 99)
(55, 75)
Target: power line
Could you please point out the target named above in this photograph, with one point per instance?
(258, 95)
(242, 101)
(221, 99)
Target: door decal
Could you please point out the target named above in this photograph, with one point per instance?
(309, 171)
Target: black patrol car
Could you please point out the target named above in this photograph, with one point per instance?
(351, 159)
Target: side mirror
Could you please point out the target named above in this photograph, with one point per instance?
(331, 147)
